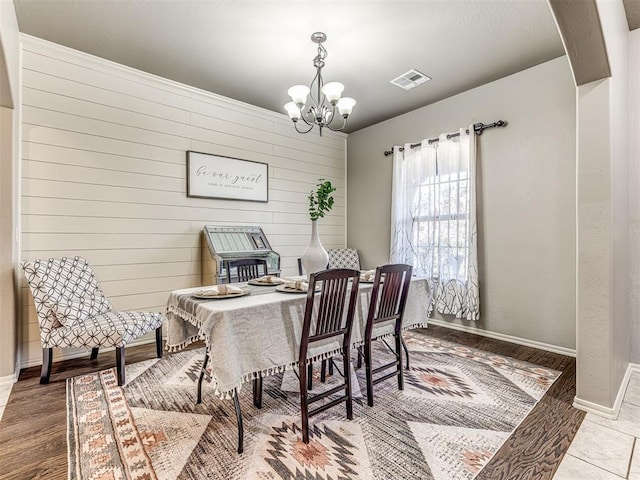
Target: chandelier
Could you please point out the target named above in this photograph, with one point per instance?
(324, 98)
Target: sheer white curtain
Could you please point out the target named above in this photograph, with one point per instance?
(434, 219)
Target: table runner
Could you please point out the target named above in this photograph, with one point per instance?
(259, 334)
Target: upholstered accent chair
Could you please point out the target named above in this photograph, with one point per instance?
(74, 312)
(344, 258)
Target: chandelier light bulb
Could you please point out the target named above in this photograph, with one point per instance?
(293, 111)
(332, 91)
(298, 94)
(345, 106)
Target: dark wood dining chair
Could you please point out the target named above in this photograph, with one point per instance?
(388, 299)
(330, 315)
(247, 268)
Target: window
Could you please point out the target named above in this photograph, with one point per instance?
(434, 220)
(440, 225)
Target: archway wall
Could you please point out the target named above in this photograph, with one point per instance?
(596, 38)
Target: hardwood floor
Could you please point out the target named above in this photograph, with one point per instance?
(537, 446)
(33, 441)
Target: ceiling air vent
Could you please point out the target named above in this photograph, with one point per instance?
(410, 80)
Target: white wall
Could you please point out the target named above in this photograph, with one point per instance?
(9, 54)
(9, 164)
(616, 31)
(634, 189)
(526, 197)
(104, 176)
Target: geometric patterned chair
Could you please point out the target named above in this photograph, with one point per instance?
(344, 258)
(74, 312)
(339, 258)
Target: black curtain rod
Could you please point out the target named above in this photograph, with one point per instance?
(477, 127)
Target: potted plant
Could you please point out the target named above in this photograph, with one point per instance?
(315, 257)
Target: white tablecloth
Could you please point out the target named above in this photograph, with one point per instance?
(259, 334)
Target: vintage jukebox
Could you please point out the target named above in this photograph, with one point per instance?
(221, 244)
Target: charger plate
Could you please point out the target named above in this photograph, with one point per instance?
(283, 289)
(202, 295)
(276, 281)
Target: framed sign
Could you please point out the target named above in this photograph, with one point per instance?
(215, 176)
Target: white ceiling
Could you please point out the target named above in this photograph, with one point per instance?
(254, 50)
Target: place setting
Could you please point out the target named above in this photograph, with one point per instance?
(219, 292)
(266, 281)
(367, 276)
(295, 286)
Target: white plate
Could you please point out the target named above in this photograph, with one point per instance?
(276, 281)
(283, 289)
(201, 295)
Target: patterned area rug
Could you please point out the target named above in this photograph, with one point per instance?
(458, 407)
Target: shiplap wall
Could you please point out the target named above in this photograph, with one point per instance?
(103, 176)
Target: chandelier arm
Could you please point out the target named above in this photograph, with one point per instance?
(344, 122)
(317, 80)
(333, 117)
(302, 117)
(320, 83)
(295, 125)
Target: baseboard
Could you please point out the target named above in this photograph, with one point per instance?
(507, 338)
(608, 412)
(83, 353)
(12, 378)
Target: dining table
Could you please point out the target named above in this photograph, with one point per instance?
(257, 333)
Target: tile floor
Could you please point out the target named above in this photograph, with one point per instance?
(4, 398)
(607, 449)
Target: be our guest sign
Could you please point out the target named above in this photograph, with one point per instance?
(215, 176)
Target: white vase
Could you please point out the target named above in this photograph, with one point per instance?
(314, 258)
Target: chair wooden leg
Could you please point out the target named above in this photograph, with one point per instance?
(201, 379)
(406, 352)
(94, 353)
(236, 403)
(257, 392)
(47, 358)
(323, 369)
(159, 342)
(304, 405)
(310, 376)
(347, 379)
(359, 350)
(120, 365)
(369, 373)
(399, 344)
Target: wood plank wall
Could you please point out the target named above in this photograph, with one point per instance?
(103, 176)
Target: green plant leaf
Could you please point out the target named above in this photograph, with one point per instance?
(321, 200)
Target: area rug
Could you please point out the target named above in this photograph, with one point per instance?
(458, 407)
